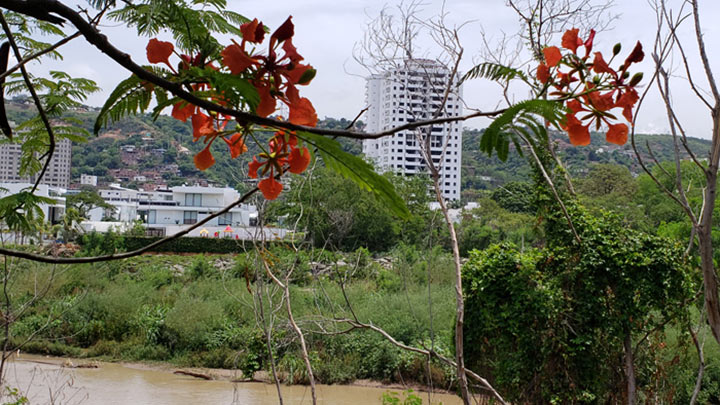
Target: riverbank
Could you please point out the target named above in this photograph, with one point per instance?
(141, 382)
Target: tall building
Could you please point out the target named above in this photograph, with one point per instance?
(57, 174)
(413, 93)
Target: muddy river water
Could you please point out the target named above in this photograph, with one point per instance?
(44, 381)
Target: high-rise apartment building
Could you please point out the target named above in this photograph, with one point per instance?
(413, 93)
(57, 175)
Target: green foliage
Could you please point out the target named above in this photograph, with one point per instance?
(406, 398)
(516, 197)
(495, 72)
(22, 211)
(360, 172)
(553, 320)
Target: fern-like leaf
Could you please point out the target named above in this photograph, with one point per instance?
(359, 171)
(495, 72)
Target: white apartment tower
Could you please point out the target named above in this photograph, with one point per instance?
(413, 93)
(57, 175)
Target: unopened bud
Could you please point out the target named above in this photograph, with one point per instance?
(617, 48)
(626, 74)
(635, 79)
(596, 79)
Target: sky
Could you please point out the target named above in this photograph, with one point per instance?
(327, 31)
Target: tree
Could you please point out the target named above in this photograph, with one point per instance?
(87, 199)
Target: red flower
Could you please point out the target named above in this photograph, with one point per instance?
(202, 126)
(299, 160)
(579, 134)
(601, 102)
(253, 168)
(571, 41)
(204, 159)
(253, 31)
(600, 66)
(270, 188)
(552, 55)
(237, 146)
(617, 134)
(302, 112)
(637, 55)
(543, 73)
(159, 51)
(626, 101)
(236, 59)
(182, 113)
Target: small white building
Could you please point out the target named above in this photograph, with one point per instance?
(53, 212)
(87, 179)
(165, 212)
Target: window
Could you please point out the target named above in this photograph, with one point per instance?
(193, 200)
(189, 217)
(225, 219)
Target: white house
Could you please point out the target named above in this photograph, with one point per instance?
(165, 212)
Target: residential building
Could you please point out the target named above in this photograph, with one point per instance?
(53, 212)
(164, 212)
(412, 93)
(57, 174)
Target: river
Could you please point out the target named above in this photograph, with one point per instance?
(43, 380)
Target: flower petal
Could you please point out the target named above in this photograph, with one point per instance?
(601, 102)
(299, 160)
(237, 146)
(270, 188)
(552, 55)
(253, 168)
(589, 42)
(291, 51)
(253, 31)
(570, 40)
(204, 159)
(285, 31)
(202, 126)
(636, 55)
(303, 113)
(159, 51)
(267, 101)
(182, 113)
(236, 59)
(600, 66)
(617, 134)
(543, 73)
(579, 134)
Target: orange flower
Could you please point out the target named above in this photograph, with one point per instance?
(235, 58)
(570, 40)
(202, 126)
(579, 134)
(601, 102)
(253, 168)
(302, 112)
(267, 101)
(183, 113)
(617, 134)
(600, 66)
(237, 146)
(552, 55)
(626, 101)
(270, 188)
(204, 159)
(253, 31)
(299, 160)
(543, 73)
(159, 51)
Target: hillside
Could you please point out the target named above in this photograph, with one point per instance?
(138, 151)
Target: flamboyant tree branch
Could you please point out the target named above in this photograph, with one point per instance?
(101, 42)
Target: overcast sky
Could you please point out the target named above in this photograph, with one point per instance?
(327, 30)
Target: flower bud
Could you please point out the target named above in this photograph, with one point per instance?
(617, 48)
(635, 79)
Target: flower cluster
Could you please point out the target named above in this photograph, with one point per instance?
(590, 89)
(274, 76)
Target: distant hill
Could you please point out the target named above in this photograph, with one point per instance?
(166, 150)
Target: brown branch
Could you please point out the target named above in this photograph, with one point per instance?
(100, 41)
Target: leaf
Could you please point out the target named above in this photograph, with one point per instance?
(130, 96)
(494, 71)
(499, 133)
(359, 171)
